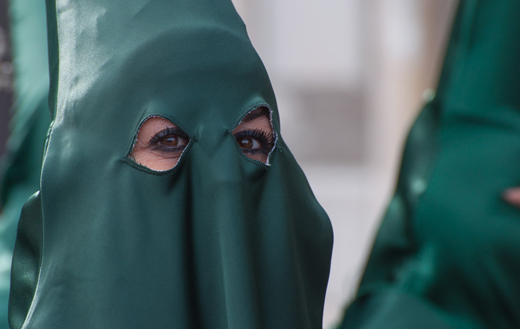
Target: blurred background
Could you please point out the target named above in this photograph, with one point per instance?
(350, 77)
(5, 75)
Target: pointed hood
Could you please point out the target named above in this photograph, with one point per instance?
(220, 240)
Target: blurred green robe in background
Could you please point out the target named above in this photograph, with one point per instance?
(20, 170)
(447, 254)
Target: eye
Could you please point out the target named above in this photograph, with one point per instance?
(255, 141)
(255, 134)
(171, 139)
(159, 144)
(248, 143)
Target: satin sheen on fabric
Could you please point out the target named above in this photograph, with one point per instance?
(220, 241)
(447, 252)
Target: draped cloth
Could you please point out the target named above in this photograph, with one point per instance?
(448, 249)
(220, 241)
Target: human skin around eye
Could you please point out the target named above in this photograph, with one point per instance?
(257, 122)
(153, 150)
(148, 150)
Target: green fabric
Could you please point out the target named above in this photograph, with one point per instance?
(447, 253)
(220, 241)
(28, 249)
(20, 170)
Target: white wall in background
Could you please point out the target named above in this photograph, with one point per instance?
(306, 41)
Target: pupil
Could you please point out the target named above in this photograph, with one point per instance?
(170, 141)
(246, 143)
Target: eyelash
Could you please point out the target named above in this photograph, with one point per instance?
(155, 140)
(265, 139)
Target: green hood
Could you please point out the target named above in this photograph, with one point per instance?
(447, 253)
(220, 241)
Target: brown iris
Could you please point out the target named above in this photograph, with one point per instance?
(170, 141)
(246, 142)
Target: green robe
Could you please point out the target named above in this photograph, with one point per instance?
(220, 241)
(447, 254)
(20, 170)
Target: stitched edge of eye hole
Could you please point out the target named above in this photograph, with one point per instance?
(275, 133)
(131, 161)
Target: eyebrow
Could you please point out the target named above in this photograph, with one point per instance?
(255, 114)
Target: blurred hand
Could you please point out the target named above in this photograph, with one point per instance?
(512, 196)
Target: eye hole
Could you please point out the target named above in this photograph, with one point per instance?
(253, 141)
(255, 135)
(159, 144)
